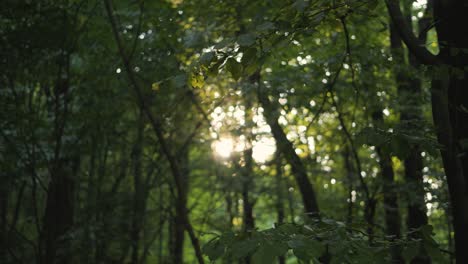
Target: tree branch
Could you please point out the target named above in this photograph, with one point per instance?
(410, 40)
(157, 127)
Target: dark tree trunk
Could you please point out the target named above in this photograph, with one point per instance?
(350, 172)
(4, 195)
(157, 125)
(181, 207)
(247, 172)
(392, 213)
(279, 196)
(58, 218)
(409, 90)
(449, 101)
(139, 193)
(287, 150)
(59, 209)
(450, 104)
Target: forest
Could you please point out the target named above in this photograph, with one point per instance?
(233, 131)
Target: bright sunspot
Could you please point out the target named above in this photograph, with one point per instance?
(262, 150)
(223, 147)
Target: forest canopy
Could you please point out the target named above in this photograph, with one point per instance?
(233, 131)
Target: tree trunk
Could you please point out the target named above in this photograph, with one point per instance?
(350, 171)
(279, 196)
(409, 92)
(449, 101)
(139, 193)
(247, 172)
(58, 218)
(59, 209)
(392, 213)
(181, 204)
(4, 195)
(450, 104)
(287, 149)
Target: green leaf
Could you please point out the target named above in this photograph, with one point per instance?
(197, 80)
(430, 245)
(399, 147)
(214, 249)
(246, 39)
(155, 86)
(179, 80)
(411, 251)
(243, 248)
(434, 252)
(234, 67)
(250, 61)
(267, 26)
(268, 251)
(301, 5)
(372, 4)
(305, 248)
(207, 58)
(249, 56)
(371, 136)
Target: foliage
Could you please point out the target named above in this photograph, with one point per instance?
(318, 239)
(130, 130)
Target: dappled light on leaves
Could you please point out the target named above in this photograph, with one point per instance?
(262, 132)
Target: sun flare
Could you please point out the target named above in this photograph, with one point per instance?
(262, 151)
(223, 148)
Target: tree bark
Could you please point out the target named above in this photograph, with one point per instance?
(139, 193)
(279, 195)
(350, 172)
(181, 204)
(409, 91)
(287, 149)
(449, 101)
(450, 104)
(158, 129)
(247, 172)
(58, 218)
(391, 208)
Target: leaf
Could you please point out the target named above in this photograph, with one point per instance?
(434, 252)
(207, 58)
(214, 249)
(213, 70)
(243, 248)
(197, 80)
(179, 80)
(223, 43)
(246, 39)
(193, 39)
(252, 68)
(430, 245)
(249, 56)
(268, 251)
(267, 26)
(399, 147)
(301, 5)
(372, 4)
(305, 248)
(234, 67)
(155, 86)
(411, 251)
(371, 136)
(250, 61)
